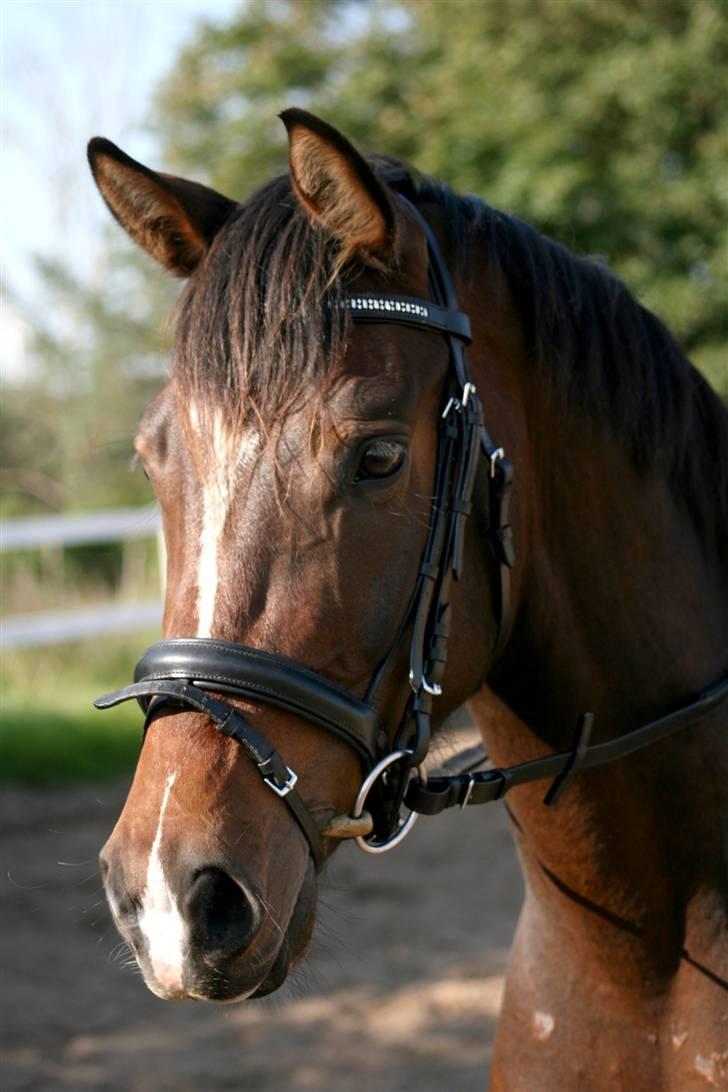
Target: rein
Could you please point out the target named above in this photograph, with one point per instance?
(180, 673)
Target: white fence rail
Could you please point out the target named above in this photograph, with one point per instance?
(41, 532)
(114, 525)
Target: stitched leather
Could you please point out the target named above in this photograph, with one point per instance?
(277, 680)
(230, 722)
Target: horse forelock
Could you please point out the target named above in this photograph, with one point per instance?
(263, 327)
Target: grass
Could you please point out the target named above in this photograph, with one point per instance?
(51, 734)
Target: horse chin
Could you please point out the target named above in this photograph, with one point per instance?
(296, 941)
(278, 973)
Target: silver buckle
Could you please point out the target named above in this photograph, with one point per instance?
(495, 457)
(458, 403)
(469, 791)
(433, 689)
(285, 789)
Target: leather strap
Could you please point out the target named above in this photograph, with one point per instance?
(251, 672)
(410, 311)
(230, 722)
(481, 788)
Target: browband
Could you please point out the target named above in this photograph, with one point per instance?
(409, 311)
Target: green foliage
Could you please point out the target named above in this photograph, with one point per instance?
(51, 733)
(603, 124)
(48, 746)
(94, 362)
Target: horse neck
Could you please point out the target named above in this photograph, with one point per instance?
(619, 611)
(621, 607)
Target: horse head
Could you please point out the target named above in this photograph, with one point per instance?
(294, 453)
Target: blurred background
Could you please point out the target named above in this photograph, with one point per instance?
(602, 122)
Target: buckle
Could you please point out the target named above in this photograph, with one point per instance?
(495, 457)
(433, 689)
(458, 404)
(285, 788)
(468, 792)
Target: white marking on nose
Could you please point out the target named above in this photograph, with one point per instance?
(543, 1025)
(160, 920)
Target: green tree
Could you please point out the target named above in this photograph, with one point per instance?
(96, 357)
(603, 124)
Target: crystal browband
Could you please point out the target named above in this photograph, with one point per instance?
(410, 311)
(404, 306)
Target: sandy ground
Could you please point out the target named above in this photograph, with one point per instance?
(401, 989)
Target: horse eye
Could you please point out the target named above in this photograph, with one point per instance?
(380, 459)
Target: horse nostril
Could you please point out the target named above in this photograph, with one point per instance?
(223, 917)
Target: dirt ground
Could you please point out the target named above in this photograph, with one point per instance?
(401, 989)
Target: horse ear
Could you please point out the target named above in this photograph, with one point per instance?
(172, 219)
(339, 188)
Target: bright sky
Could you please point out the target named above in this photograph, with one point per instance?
(72, 69)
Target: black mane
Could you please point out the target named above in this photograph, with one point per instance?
(261, 324)
(262, 320)
(608, 355)
(599, 349)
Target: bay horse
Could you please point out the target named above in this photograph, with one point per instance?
(336, 518)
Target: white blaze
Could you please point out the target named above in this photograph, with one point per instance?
(226, 457)
(160, 920)
(215, 504)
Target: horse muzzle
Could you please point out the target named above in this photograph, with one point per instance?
(206, 933)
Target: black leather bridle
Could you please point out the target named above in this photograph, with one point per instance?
(181, 673)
